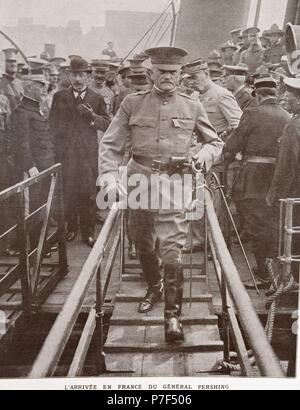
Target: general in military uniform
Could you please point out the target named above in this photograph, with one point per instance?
(257, 139)
(76, 115)
(234, 81)
(286, 180)
(160, 123)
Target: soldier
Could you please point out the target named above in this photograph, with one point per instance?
(160, 123)
(100, 70)
(125, 89)
(243, 46)
(228, 51)
(214, 60)
(277, 49)
(286, 179)
(76, 115)
(235, 36)
(257, 139)
(52, 85)
(234, 81)
(254, 56)
(10, 85)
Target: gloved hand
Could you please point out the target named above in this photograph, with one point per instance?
(86, 111)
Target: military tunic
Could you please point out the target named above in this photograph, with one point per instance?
(286, 180)
(243, 98)
(257, 136)
(275, 53)
(253, 58)
(12, 89)
(159, 126)
(105, 92)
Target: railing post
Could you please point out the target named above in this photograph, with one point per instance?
(99, 332)
(225, 319)
(288, 241)
(24, 267)
(122, 243)
(62, 247)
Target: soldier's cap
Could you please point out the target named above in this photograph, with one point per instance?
(124, 70)
(266, 38)
(196, 67)
(79, 65)
(135, 62)
(235, 70)
(37, 78)
(275, 30)
(251, 30)
(214, 55)
(113, 67)
(228, 45)
(71, 56)
(236, 31)
(52, 69)
(243, 35)
(100, 66)
(36, 62)
(21, 65)
(264, 82)
(214, 65)
(58, 60)
(167, 58)
(137, 70)
(292, 85)
(10, 54)
(216, 73)
(139, 79)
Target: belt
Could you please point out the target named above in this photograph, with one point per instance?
(155, 164)
(260, 160)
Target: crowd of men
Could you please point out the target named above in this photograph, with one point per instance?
(94, 117)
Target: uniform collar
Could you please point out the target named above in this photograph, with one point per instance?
(271, 100)
(30, 104)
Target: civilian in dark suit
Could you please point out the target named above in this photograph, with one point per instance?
(76, 115)
(257, 139)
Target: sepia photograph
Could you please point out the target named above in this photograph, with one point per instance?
(176, 119)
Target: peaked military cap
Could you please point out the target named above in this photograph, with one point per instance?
(124, 71)
(168, 58)
(216, 74)
(236, 31)
(196, 66)
(36, 62)
(58, 60)
(292, 85)
(264, 82)
(10, 54)
(214, 56)
(100, 66)
(251, 30)
(227, 45)
(235, 70)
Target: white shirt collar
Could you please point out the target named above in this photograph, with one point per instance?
(82, 94)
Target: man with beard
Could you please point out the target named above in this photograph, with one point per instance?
(76, 115)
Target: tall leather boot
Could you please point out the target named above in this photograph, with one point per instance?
(173, 303)
(151, 271)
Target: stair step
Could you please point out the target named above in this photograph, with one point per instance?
(194, 334)
(131, 277)
(162, 364)
(159, 321)
(185, 347)
(130, 310)
(205, 297)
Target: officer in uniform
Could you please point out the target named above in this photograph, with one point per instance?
(160, 123)
(254, 56)
(100, 70)
(257, 139)
(214, 60)
(243, 46)
(235, 36)
(125, 88)
(286, 179)
(277, 49)
(228, 49)
(234, 81)
(10, 85)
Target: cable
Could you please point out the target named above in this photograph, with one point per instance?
(148, 31)
(165, 32)
(159, 30)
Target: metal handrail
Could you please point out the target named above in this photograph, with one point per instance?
(61, 331)
(265, 356)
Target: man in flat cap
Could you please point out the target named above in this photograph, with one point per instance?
(76, 115)
(160, 123)
(257, 139)
(10, 85)
(254, 56)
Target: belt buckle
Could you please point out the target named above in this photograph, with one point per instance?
(156, 166)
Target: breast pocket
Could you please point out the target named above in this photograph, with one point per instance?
(183, 133)
(143, 132)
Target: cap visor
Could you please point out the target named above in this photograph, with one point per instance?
(168, 67)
